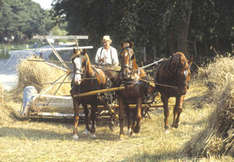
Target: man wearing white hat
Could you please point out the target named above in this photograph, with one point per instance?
(107, 55)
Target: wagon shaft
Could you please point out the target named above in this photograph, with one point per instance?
(99, 91)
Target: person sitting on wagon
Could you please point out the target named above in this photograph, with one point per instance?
(107, 55)
(107, 59)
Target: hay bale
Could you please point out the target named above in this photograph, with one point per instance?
(40, 75)
(217, 138)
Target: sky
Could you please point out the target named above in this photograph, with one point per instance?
(45, 4)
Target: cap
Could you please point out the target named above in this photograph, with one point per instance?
(106, 38)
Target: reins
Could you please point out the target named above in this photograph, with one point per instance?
(153, 63)
(154, 84)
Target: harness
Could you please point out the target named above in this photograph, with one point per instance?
(130, 63)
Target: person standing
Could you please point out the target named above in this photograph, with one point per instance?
(107, 55)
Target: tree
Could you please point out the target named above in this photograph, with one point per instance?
(162, 26)
(22, 19)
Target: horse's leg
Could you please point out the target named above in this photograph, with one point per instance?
(166, 110)
(86, 111)
(138, 115)
(76, 105)
(121, 116)
(129, 119)
(177, 111)
(93, 119)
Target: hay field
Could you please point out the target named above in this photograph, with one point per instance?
(51, 140)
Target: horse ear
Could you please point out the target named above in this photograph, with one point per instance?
(190, 61)
(122, 44)
(75, 50)
(84, 51)
(131, 44)
(75, 53)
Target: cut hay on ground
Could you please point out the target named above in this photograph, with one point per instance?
(41, 76)
(217, 139)
(1, 94)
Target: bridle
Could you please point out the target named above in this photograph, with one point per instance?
(178, 66)
(79, 70)
(128, 52)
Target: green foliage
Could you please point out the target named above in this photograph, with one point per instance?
(162, 26)
(56, 30)
(21, 19)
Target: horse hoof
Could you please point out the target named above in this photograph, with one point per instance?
(86, 132)
(75, 137)
(136, 129)
(93, 136)
(175, 125)
(130, 132)
(167, 131)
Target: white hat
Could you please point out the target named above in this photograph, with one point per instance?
(106, 38)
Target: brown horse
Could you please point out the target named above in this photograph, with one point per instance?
(134, 92)
(174, 72)
(86, 78)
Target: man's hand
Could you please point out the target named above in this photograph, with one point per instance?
(101, 60)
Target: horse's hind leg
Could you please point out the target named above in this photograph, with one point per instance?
(86, 111)
(76, 119)
(138, 116)
(93, 119)
(121, 115)
(130, 119)
(166, 110)
(177, 111)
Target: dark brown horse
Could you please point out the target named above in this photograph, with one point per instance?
(134, 92)
(86, 78)
(174, 72)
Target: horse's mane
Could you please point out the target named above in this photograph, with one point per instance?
(141, 72)
(93, 71)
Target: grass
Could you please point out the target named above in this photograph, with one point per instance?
(51, 140)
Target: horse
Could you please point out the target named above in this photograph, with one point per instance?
(86, 78)
(134, 92)
(174, 72)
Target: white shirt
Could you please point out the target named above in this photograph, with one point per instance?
(110, 56)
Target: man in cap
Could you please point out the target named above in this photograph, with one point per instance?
(107, 55)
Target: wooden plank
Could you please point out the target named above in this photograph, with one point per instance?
(60, 37)
(61, 48)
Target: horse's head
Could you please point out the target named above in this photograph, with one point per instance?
(80, 62)
(180, 67)
(127, 59)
